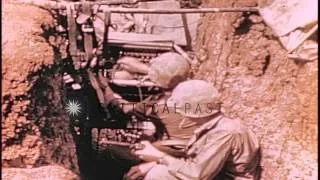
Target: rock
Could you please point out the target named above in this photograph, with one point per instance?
(255, 19)
(258, 27)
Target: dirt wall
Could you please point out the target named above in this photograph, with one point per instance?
(273, 95)
(34, 125)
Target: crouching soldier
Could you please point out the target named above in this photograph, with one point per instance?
(221, 148)
(167, 70)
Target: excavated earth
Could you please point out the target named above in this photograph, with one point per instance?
(34, 125)
(273, 95)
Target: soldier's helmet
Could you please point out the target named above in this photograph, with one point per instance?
(168, 69)
(194, 98)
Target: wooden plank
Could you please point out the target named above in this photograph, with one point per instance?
(72, 31)
(63, 5)
(132, 83)
(181, 11)
(88, 39)
(142, 45)
(72, 37)
(105, 44)
(59, 5)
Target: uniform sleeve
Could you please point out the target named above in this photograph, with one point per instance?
(207, 163)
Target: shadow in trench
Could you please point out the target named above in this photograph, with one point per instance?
(63, 145)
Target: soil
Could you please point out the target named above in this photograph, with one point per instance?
(34, 125)
(275, 96)
(51, 172)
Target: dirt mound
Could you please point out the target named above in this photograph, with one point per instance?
(24, 51)
(41, 173)
(274, 95)
(34, 125)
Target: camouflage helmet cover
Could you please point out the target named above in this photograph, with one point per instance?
(194, 98)
(168, 69)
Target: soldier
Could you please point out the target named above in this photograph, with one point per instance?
(166, 70)
(222, 148)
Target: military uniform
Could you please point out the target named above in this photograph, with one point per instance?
(176, 126)
(166, 70)
(220, 149)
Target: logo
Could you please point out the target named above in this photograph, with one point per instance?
(73, 107)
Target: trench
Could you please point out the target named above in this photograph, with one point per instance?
(275, 96)
(68, 140)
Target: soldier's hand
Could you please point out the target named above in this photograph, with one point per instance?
(67, 78)
(134, 174)
(123, 75)
(109, 95)
(138, 172)
(103, 80)
(93, 80)
(149, 153)
(133, 65)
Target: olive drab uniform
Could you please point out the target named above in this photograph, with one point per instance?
(174, 69)
(222, 148)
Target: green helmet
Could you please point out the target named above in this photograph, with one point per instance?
(194, 98)
(168, 69)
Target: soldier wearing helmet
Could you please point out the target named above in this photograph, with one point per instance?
(166, 70)
(221, 148)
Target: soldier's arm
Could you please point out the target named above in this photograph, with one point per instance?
(133, 65)
(105, 94)
(98, 89)
(207, 163)
(110, 98)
